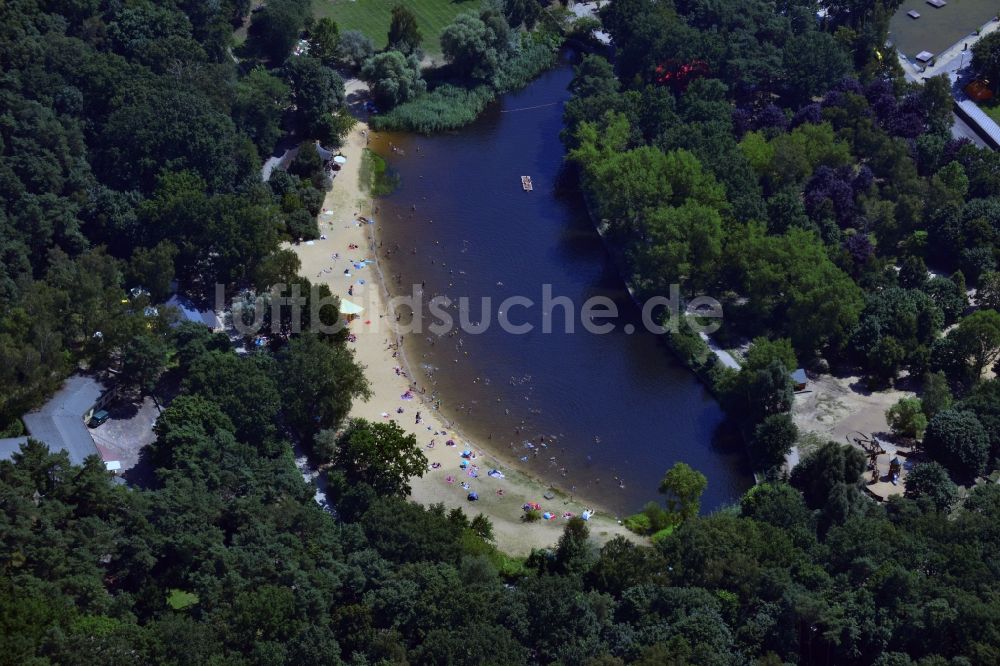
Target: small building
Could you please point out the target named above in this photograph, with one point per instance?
(799, 379)
(191, 312)
(61, 423)
(925, 56)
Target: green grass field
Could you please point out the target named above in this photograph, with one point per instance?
(372, 17)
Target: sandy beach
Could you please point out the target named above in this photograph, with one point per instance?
(346, 259)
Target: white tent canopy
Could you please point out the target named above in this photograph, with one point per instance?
(349, 308)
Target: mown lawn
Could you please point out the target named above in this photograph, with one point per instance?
(992, 109)
(372, 17)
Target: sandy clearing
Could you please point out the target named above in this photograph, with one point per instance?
(331, 260)
(836, 408)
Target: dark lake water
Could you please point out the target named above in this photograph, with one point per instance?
(616, 410)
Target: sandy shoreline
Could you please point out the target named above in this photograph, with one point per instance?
(345, 258)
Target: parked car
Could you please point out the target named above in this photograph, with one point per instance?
(98, 418)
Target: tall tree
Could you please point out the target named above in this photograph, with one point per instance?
(959, 442)
(978, 338)
(275, 28)
(404, 34)
(772, 440)
(318, 92)
(318, 382)
(143, 361)
(382, 455)
(931, 481)
(393, 78)
(477, 45)
(683, 487)
(324, 38)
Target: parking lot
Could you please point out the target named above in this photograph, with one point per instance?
(126, 432)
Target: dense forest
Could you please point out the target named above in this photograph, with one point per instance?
(789, 165)
(130, 158)
(753, 152)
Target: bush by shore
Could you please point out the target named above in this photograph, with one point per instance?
(449, 106)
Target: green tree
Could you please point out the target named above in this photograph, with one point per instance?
(243, 387)
(793, 287)
(984, 402)
(986, 56)
(174, 129)
(483, 527)
(318, 92)
(978, 339)
(275, 28)
(936, 396)
(476, 45)
(355, 48)
(780, 505)
(522, 12)
(958, 441)
(683, 487)
(948, 296)
(404, 34)
(913, 272)
(988, 290)
(307, 163)
(382, 455)
(393, 78)
(829, 469)
(931, 480)
(324, 38)
(937, 102)
(144, 359)
(769, 391)
(813, 62)
(763, 351)
(318, 381)
(259, 103)
(575, 554)
(153, 269)
(906, 418)
(772, 440)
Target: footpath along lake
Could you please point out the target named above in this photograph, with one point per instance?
(616, 410)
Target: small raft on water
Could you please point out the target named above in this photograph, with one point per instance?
(526, 183)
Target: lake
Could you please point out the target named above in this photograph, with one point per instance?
(602, 415)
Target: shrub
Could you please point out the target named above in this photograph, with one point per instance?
(449, 106)
(638, 523)
(532, 516)
(446, 107)
(663, 534)
(906, 418)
